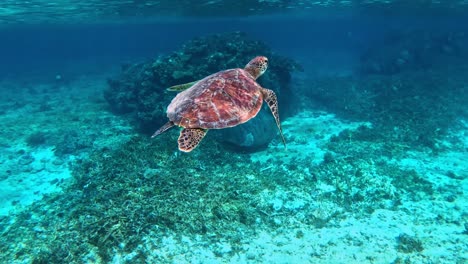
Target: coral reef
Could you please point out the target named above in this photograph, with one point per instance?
(414, 50)
(140, 89)
(146, 202)
(144, 189)
(408, 110)
(117, 197)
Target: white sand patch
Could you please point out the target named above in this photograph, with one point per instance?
(29, 176)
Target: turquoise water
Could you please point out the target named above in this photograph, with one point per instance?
(372, 100)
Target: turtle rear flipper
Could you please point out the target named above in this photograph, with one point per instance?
(181, 87)
(190, 138)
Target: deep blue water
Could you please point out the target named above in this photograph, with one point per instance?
(35, 48)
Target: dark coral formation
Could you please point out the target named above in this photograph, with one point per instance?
(414, 50)
(408, 244)
(140, 89)
(36, 139)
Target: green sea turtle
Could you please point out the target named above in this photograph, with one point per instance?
(224, 99)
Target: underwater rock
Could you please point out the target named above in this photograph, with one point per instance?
(253, 135)
(139, 90)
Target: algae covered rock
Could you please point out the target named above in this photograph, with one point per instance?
(139, 90)
(256, 133)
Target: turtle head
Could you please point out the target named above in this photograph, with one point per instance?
(257, 66)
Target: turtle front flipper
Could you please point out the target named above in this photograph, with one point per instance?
(190, 138)
(181, 87)
(270, 98)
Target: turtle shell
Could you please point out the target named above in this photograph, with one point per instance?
(224, 99)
